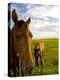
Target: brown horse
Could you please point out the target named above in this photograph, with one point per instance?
(21, 44)
(39, 51)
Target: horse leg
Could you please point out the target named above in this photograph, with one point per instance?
(36, 61)
(41, 61)
(42, 58)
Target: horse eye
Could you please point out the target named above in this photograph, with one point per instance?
(17, 38)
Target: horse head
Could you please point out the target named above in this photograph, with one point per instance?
(22, 37)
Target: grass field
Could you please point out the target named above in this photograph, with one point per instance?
(50, 57)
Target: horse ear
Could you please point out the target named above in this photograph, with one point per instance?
(28, 21)
(14, 16)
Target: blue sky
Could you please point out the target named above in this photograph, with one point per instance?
(44, 18)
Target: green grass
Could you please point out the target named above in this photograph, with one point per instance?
(50, 57)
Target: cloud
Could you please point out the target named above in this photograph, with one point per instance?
(44, 26)
(44, 34)
(44, 18)
(42, 10)
(49, 28)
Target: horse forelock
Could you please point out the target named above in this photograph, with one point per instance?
(20, 23)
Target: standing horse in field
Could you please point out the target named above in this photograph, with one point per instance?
(21, 44)
(39, 51)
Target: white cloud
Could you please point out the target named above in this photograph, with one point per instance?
(38, 34)
(42, 11)
(43, 28)
(53, 12)
(43, 19)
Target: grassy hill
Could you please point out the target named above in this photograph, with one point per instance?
(50, 57)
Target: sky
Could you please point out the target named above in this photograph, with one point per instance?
(44, 18)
